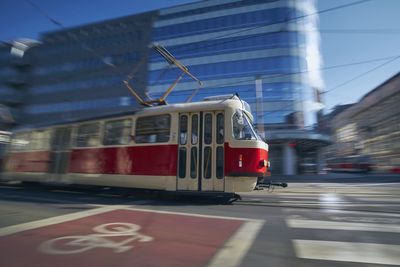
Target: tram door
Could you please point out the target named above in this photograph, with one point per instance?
(60, 148)
(201, 151)
(188, 152)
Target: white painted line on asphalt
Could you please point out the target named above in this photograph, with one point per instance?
(338, 204)
(192, 214)
(54, 220)
(350, 226)
(380, 199)
(339, 211)
(371, 195)
(347, 251)
(231, 255)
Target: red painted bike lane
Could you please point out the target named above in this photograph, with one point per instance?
(120, 237)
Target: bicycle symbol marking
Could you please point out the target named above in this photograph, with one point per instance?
(100, 239)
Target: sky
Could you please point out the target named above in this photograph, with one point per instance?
(365, 32)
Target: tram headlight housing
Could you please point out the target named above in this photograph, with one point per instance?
(264, 163)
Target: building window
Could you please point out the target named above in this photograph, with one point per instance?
(153, 129)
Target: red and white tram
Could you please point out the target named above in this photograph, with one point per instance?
(208, 146)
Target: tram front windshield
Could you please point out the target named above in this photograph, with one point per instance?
(243, 128)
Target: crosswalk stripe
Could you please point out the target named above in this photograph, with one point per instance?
(335, 211)
(380, 199)
(351, 226)
(348, 251)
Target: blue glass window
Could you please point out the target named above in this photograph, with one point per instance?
(268, 16)
(262, 66)
(235, 44)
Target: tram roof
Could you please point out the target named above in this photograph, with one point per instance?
(192, 107)
(155, 110)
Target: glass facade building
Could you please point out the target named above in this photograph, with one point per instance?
(229, 45)
(78, 72)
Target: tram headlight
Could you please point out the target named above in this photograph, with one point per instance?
(264, 163)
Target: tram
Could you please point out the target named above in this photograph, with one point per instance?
(355, 163)
(205, 146)
(4, 142)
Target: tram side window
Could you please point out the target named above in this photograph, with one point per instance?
(40, 140)
(183, 129)
(88, 135)
(20, 142)
(242, 129)
(153, 129)
(208, 129)
(117, 132)
(220, 128)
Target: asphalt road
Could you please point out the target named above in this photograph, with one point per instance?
(322, 222)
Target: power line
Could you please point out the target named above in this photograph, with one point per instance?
(262, 26)
(272, 76)
(362, 74)
(360, 31)
(83, 45)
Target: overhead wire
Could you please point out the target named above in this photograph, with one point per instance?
(272, 76)
(360, 31)
(262, 26)
(84, 46)
(267, 25)
(362, 74)
(74, 37)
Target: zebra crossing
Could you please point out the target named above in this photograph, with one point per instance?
(339, 232)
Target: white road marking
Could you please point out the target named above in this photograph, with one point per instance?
(347, 251)
(339, 211)
(380, 199)
(236, 247)
(330, 204)
(54, 220)
(192, 214)
(364, 219)
(350, 226)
